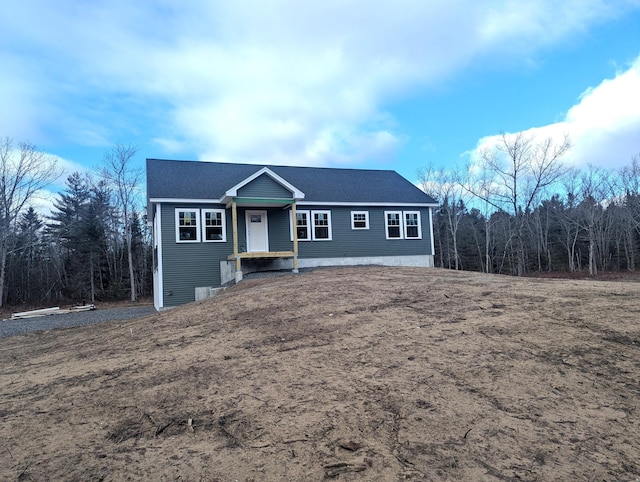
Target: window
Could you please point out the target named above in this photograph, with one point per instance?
(412, 225)
(214, 224)
(187, 230)
(403, 224)
(359, 219)
(302, 226)
(321, 225)
(313, 225)
(392, 222)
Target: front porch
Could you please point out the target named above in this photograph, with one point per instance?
(239, 254)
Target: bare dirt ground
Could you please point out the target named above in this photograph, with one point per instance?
(340, 374)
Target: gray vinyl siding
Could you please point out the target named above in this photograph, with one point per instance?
(189, 265)
(347, 242)
(279, 230)
(264, 187)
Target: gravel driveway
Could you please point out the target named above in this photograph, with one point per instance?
(50, 322)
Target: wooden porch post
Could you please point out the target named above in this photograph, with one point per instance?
(294, 220)
(234, 218)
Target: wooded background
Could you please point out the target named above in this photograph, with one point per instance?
(520, 209)
(517, 208)
(94, 245)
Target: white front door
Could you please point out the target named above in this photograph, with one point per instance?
(257, 231)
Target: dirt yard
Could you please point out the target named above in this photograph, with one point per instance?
(377, 374)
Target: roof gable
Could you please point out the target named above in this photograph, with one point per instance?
(265, 171)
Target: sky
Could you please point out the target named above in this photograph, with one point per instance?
(338, 83)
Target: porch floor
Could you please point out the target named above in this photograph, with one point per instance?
(262, 255)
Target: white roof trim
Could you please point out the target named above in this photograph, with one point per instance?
(233, 192)
(376, 204)
(184, 200)
(299, 203)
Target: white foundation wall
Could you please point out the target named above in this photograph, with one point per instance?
(228, 268)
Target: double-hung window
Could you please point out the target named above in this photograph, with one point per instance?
(321, 225)
(412, 228)
(302, 226)
(359, 219)
(402, 225)
(214, 225)
(187, 225)
(313, 225)
(393, 224)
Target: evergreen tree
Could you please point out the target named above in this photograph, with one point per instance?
(24, 260)
(71, 224)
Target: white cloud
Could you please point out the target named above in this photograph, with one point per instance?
(67, 167)
(280, 81)
(604, 126)
(43, 200)
(170, 146)
(43, 203)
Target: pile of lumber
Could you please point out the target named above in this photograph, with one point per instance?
(51, 311)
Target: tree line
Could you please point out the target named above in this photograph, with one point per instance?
(94, 245)
(518, 209)
(521, 209)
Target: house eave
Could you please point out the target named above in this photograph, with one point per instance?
(363, 204)
(185, 200)
(226, 200)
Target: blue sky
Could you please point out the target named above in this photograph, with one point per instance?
(353, 83)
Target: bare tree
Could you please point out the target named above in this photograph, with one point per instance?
(478, 183)
(540, 227)
(594, 193)
(630, 178)
(521, 167)
(23, 172)
(446, 187)
(125, 180)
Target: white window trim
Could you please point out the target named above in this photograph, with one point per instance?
(366, 220)
(198, 220)
(386, 224)
(294, 225)
(223, 217)
(404, 222)
(313, 224)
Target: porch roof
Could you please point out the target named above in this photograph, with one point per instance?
(261, 202)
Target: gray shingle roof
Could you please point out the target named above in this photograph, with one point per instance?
(168, 179)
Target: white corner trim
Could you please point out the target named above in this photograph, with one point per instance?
(433, 244)
(160, 268)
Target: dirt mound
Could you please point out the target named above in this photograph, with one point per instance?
(338, 374)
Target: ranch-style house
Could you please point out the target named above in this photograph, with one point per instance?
(213, 222)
